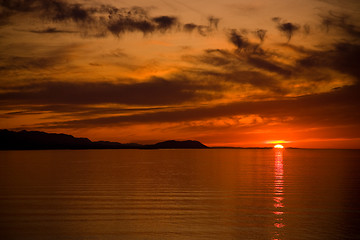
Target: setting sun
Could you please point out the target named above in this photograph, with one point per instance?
(278, 146)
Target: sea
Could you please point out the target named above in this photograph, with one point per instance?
(180, 194)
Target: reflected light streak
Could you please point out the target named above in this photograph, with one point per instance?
(278, 194)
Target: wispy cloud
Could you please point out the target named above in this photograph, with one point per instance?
(339, 21)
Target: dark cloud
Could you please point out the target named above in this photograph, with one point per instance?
(343, 57)
(121, 25)
(213, 22)
(238, 40)
(63, 11)
(276, 19)
(287, 28)
(124, 20)
(269, 65)
(75, 99)
(165, 23)
(258, 80)
(260, 33)
(51, 30)
(228, 70)
(243, 44)
(262, 71)
(313, 110)
(309, 73)
(55, 10)
(203, 30)
(215, 60)
(157, 91)
(340, 21)
(224, 59)
(222, 52)
(57, 57)
(99, 20)
(189, 27)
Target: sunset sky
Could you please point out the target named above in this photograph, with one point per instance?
(226, 73)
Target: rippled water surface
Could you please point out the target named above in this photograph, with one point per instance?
(180, 194)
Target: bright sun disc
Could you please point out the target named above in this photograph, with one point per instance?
(278, 146)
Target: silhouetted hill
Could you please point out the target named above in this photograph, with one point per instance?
(27, 140)
(116, 145)
(178, 144)
(40, 140)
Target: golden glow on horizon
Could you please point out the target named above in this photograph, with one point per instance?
(278, 146)
(277, 141)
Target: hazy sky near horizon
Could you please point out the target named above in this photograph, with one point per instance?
(226, 73)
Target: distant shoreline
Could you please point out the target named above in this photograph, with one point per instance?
(37, 140)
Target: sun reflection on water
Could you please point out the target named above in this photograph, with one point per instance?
(278, 194)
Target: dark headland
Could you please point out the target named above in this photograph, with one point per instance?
(36, 140)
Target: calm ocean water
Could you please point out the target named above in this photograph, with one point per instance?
(180, 194)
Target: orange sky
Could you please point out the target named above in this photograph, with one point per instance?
(226, 73)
